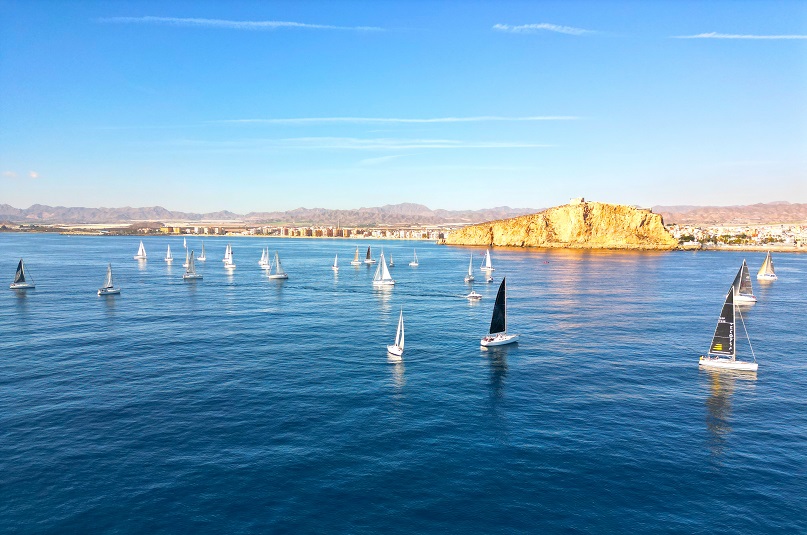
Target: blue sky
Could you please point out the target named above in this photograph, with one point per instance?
(252, 106)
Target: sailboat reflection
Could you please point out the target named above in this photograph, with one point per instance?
(398, 379)
(498, 372)
(718, 406)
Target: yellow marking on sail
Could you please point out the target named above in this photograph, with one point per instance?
(718, 347)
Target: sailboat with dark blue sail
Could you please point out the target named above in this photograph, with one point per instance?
(743, 292)
(20, 282)
(498, 335)
(722, 353)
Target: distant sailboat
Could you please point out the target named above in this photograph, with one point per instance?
(356, 261)
(743, 292)
(228, 258)
(20, 282)
(391, 263)
(264, 262)
(190, 270)
(278, 270)
(473, 296)
(187, 258)
(414, 262)
(168, 257)
(202, 257)
(368, 259)
(141, 252)
(486, 263)
(108, 288)
(488, 277)
(723, 351)
(398, 347)
(335, 265)
(185, 243)
(382, 276)
(498, 322)
(470, 276)
(766, 272)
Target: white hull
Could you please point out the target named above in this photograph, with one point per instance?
(741, 298)
(169, 260)
(384, 283)
(108, 291)
(138, 257)
(395, 350)
(470, 278)
(727, 364)
(369, 262)
(189, 277)
(22, 285)
(413, 264)
(356, 263)
(489, 279)
(202, 258)
(499, 340)
(487, 269)
(283, 276)
(335, 268)
(473, 296)
(229, 266)
(766, 277)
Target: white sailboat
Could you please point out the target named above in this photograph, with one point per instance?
(141, 252)
(723, 351)
(414, 262)
(20, 282)
(335, 265)
(187, 258)
(743, 292)
(264, 261)
(382, 276)
(486, 263)
(190, 270)
(368, 259)
(398, 347)
(276, 272)
(391, 262)
(766, 272)
(356, 261)
(185, 243)
(108, 288)
(498, 322)
(470, 276)
(168, 257)
(202, 257)
(228, 258)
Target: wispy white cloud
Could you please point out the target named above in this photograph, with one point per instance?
(544, 26)
(388, 120)
(33, 174)
(377, 161)
(349, 143)
(9, 174)
(233, 24)
(715, 35)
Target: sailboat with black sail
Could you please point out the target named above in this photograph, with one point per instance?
(109, 287)
(20, 281)
(498, 335)
(397, 348)
(723, 351)
(368, 259)
(766, 272)
(743, 292)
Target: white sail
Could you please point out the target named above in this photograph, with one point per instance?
(168, 257)
(141, 252)
(185, 243)
(382, 276)
(278, 273)
(414, 262)
(470, 277)
(356, 260)
(108, 279)
(187, 257)
(202, 256)
(399, 336)
(487, 265)
(190, 270)
(335, 265)
(766, 272)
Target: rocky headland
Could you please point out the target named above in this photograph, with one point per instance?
(578, 225)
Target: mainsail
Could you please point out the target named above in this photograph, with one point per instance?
(723, 340)
(278, 267)
(399, 335)
(108, 280)
(356, 256)
(202, 256)
(141, 251)
(20, 275)
(742, 282)
(191, 269)
(767, 266)
(498, 322)
(382, 274)
(486, 264)
(368, 257)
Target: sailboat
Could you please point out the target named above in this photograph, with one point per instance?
(368, 259)
(766, 272)
(398, 347)
(498, 322)
(264, 261)
(470, 276)
(723, 351)
(278, 270)
(414, 263)
(141, 252)
(20, 282)
(108, 288)
(228, 258)
(382, 276)
(356, 261)
(335, 265)
(190, 270)
(187, 258)
(743, 293)
(202, 257)
(391, 263)
(486, 264)
(168, 257)
(185, 243)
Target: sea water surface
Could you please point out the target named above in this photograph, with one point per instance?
(240, 404)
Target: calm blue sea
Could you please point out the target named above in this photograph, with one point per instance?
(245, 405)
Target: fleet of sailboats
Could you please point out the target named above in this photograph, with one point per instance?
(109, 287)
(190, 270)
(276, 271)
(20, 282)
(414, 262)
(722, 352)
(397, 348)
(498, 335)
(382, 276)
(766, 272)
(743, 292)
(141, 252)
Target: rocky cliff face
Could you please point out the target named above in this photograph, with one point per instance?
(585, 225)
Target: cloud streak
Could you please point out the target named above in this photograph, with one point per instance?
(544, 26)
(715, 35)
(394, 120)
(349, 143)
(253, 25)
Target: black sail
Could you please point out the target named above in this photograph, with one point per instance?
(498, 323)
(723, 340)
(368, 253)
(20, 275)
(742, 282)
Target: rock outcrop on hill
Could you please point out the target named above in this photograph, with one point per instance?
(582, 225)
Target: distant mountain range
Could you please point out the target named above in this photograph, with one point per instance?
(391, 214)
(760, 214)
